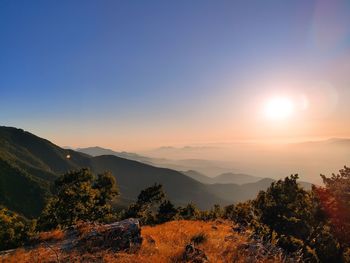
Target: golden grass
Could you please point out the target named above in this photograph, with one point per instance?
(54, 235)
(166, 242)
(38, 255)
(161, 244)
(83, 228)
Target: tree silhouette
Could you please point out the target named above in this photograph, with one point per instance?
(166, 212)
(147, 204)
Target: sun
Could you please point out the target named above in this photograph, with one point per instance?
(279, 108)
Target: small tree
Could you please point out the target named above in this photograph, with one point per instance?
(242, 213)
(78, 195)
(106, 187)
(216, 212)
(284, 213)
(147, 204)
(190, 212)
(151, 195)
(229, 211)
(166, 212)
(299, 220)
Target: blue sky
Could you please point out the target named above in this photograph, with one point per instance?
(156, 71)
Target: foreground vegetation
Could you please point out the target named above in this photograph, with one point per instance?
(311, 225)
(162, 243)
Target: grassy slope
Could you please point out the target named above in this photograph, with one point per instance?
(162, 243)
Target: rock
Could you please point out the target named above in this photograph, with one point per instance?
(194, 255)
(118, 236)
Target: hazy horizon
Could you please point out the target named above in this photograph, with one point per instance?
(308, 158)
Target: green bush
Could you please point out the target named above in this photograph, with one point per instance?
(190, 212)
(78, 195)
(299, 220)
(148, 203)
(242, 213)
(335, 202)
(15, 230)
(166, 212)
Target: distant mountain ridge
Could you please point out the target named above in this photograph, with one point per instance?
(225, 178)
(97, 151)
(200, 165)
(273, 158)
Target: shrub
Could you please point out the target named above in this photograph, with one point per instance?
(242, 213)
(335, 202)
(148, 202)
(78, 195)
(216, 212)
(285, 208)
(166, 212)
(15, 230)
(189, 212)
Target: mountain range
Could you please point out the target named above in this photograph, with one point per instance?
(224, 178)
(29, 165)
(274, 159)
(181, 165)
(207, 167)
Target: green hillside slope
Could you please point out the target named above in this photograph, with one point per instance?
(20, 192)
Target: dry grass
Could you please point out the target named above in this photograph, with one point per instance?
(54, 235)
(38, 255)
(162, 243)
(166, 243)
(83, 228)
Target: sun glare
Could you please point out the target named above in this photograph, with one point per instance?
(279, 108)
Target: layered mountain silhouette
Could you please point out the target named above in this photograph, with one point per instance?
(225, 178)
(200, 165)
(30, 164)
(97, 151)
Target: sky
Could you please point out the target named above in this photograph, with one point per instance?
(133, 75)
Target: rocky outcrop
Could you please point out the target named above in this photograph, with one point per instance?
(118, 236)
